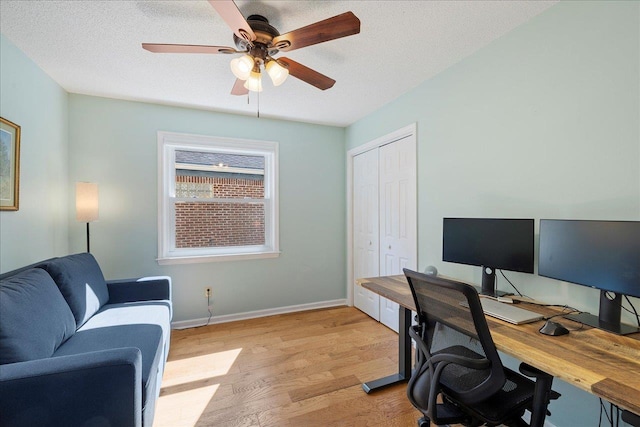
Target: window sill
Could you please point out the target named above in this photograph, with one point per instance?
(216, 258)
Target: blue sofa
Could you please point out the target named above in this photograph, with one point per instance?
(77, 350)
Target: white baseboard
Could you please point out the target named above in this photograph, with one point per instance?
(183, 324)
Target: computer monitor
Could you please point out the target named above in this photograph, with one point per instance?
(492, 243)
(604, 255)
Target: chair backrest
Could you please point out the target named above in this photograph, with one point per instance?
(451, 316)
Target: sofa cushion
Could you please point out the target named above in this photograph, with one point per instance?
(81, 283)
(129, 313)
(146, 338)
(138, 312)
(34, 317)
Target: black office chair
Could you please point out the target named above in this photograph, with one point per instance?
(457, 361)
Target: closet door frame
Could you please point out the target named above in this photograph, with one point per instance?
(407, 131)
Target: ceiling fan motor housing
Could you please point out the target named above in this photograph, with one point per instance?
(264, 32)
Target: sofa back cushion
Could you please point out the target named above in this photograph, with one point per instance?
(81, 283)
(34, 317)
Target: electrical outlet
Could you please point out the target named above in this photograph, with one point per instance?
(207, 292)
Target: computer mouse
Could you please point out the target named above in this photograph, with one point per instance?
(553, 328)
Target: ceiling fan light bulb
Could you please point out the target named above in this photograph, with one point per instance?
(277, 72)
(254, 82)
(241, 67)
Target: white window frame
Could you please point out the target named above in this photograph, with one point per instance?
(168, 144)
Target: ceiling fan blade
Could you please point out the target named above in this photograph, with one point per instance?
(307, 75)
(186, 48)
(238, 88)
(342, 25)
(230, 13)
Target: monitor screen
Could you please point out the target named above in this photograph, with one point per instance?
(600, 254)
(497, 243)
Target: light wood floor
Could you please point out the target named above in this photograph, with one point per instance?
(300, 369)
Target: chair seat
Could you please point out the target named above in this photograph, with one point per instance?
(509, 402)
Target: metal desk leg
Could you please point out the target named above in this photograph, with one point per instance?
(404, 356)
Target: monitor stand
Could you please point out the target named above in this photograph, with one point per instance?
(489, 283)
(609, 315)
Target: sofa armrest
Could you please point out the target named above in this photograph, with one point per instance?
(140, 289)
(101, 386)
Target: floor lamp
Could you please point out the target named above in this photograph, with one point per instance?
(86, 204)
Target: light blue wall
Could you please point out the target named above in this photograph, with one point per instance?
(32, 100)
(542, 123)
(114, 143)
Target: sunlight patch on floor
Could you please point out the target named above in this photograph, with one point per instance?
(199, 368)
(187, 387)
(183, 409)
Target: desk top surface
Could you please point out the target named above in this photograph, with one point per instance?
(599, 362)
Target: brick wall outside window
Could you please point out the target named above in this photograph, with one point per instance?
(216, 224)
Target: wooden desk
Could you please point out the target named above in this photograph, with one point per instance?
(599, 362)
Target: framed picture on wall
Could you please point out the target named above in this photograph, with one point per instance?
(9, 165)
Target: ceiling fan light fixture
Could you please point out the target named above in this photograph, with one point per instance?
(241, 67)
(277, 72)
(254, 82)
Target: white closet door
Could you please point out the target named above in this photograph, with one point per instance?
(398, 216)
(366, 230)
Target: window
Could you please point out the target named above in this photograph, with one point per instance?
(217, 198)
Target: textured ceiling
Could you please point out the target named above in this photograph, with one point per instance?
(93, 47)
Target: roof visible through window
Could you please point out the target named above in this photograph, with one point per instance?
(212, 158)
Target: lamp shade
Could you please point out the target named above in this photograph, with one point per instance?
(86, 201)
(241, 67)
(277, 72)
(254, 82)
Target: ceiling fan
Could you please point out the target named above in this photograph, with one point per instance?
(260, 42)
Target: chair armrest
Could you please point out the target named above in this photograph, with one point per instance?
(544, 381)
(73, 390)
(415, 332)
(531, 372)
(542, 393)
(631, 418)
(139, 289)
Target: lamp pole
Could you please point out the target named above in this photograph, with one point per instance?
(88, 238)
